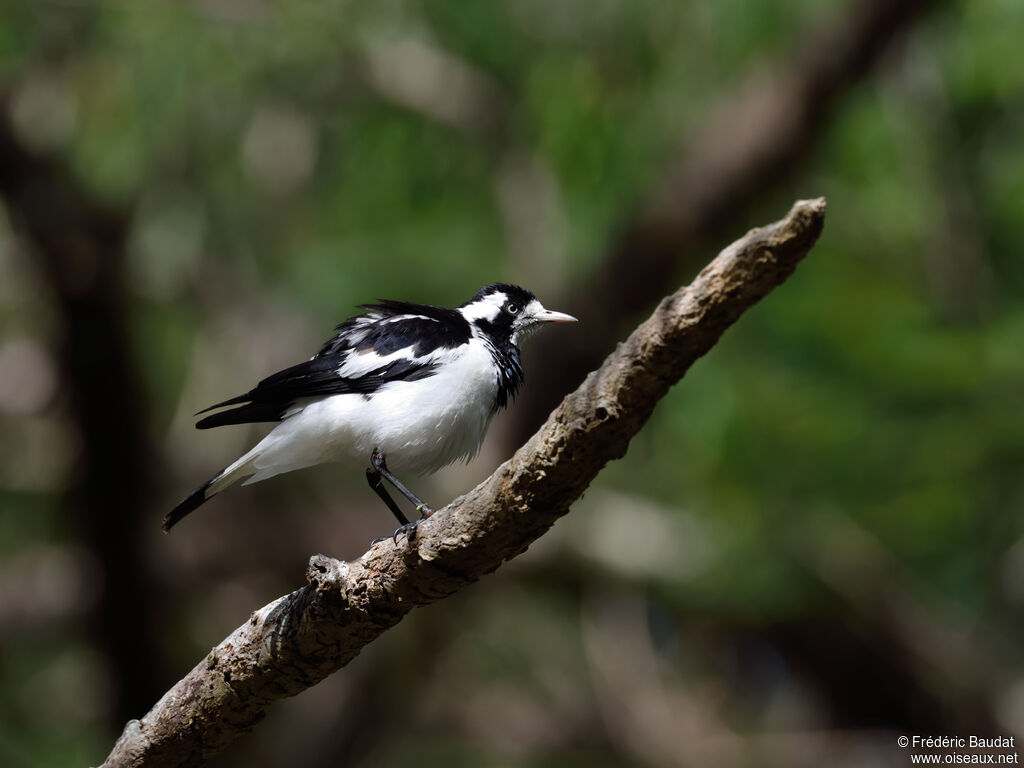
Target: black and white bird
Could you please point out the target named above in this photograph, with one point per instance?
(408, 388)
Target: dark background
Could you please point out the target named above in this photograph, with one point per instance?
(815, 545)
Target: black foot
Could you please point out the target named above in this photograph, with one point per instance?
(409, 529)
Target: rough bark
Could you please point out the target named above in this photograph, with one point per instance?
(299, 639)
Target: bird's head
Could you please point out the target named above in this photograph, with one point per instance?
(509, 312)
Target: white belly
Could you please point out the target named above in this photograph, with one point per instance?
(418, 426)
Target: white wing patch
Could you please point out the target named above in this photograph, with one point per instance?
(359, 363)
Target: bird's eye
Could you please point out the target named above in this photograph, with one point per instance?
(512, 309)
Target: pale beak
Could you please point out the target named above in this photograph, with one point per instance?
(547, 316)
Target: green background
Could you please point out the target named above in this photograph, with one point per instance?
(814, 546)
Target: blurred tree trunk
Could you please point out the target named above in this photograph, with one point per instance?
(77, 247)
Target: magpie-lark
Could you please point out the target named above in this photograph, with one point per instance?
(407, 387)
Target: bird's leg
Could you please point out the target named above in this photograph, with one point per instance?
(373, 477)
(379, 465)
(379, 469)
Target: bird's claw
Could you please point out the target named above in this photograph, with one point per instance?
(409, 529)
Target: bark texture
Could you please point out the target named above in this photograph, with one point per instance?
(299, 639)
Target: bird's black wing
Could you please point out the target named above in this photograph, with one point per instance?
(359, 359)
(392, 325)
(319, 377)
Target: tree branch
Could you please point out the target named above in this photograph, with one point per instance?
(301, 638)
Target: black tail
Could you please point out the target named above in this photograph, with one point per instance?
(189, 504)
(244, 414)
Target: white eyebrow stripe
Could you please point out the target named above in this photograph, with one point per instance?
(486, 308)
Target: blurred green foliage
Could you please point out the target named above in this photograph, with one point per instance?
(271, 175)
